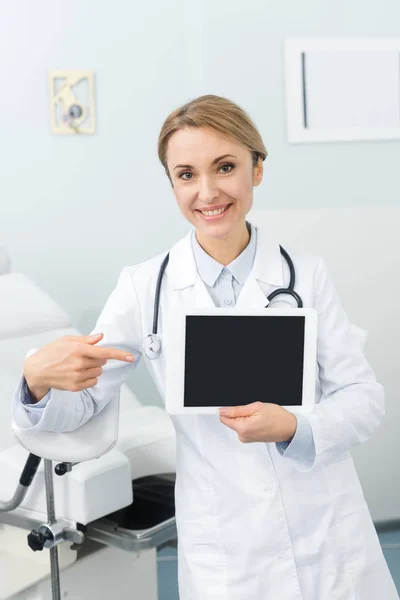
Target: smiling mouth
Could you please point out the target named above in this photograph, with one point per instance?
(216, 211)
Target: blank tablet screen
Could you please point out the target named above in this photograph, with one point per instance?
(236, 360)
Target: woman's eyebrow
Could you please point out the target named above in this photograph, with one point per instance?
(213, 162)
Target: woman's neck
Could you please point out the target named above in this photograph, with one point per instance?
(225, 250)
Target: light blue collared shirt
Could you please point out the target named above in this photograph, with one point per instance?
(224, 285)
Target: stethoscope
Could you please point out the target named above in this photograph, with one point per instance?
(152, 341)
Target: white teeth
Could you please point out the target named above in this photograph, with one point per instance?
(209, 213)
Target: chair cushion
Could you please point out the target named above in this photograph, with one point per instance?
(26, 309)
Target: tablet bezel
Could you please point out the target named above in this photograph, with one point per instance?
(175, 355)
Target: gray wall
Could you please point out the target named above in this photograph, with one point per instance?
(75, 210)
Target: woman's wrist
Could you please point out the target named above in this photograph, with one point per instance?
(37, 392)
(37, 389)
(292, 427)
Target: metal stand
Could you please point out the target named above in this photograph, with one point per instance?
(46, 535)
(49, 535)
(51, 516)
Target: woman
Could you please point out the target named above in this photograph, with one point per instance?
(268, 504)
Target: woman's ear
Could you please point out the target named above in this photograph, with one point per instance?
(258, 172)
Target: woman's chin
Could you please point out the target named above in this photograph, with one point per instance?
(217, 230)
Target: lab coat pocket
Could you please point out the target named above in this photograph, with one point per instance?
(202, 563)
(194, 505)
(344, 485)
(197, 536)
(360, 541)
(195, 518)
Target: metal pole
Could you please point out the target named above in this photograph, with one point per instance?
(51, 516)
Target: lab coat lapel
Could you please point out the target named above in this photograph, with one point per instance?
(182, 271)
(265, 275)
(251, 295)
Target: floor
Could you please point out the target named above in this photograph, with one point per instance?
(167, 565)
(167, 575)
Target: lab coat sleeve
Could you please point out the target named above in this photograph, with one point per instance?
(301, 447)
(62, 410)
(22, 395)
(352, 405)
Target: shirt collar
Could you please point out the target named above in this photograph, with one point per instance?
(209, 269)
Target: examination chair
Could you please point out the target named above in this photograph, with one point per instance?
(113, 478)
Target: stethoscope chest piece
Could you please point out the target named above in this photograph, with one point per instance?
(152, 345)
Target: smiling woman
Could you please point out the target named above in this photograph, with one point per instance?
(213, 156)
(267, 499)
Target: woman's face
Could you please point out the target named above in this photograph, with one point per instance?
(213, 178)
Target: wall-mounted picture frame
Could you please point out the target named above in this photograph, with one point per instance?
(345, 89)
(72, 106)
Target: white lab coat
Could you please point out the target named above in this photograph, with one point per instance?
(252, 524)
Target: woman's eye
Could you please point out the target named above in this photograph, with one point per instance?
(221, 167)
(228, 165)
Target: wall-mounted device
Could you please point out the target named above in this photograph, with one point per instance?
(72, 102)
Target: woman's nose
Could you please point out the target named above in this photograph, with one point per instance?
(208, 190)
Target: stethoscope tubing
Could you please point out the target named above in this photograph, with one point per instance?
(280, 291)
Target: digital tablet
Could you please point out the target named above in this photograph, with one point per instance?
(228, 357)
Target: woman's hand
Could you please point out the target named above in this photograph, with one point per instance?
(71, 363)
(260, 422)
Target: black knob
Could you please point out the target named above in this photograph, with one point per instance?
(60, 469)
(36, 540)
(30, 469)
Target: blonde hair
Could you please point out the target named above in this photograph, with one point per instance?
(221, 115)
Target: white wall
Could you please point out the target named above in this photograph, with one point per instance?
(75, 210)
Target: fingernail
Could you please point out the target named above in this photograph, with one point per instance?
(129, 358)
(224, 411)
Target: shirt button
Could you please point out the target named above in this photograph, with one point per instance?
(225, 271)
(227, 301)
